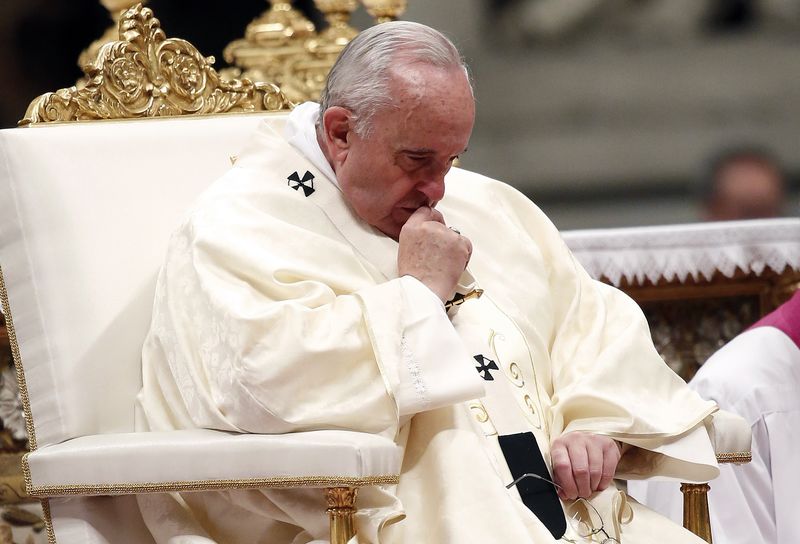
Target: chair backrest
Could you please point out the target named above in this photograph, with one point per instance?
(86, 210)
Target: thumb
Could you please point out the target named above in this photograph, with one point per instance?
(422, 214)
(437, 216)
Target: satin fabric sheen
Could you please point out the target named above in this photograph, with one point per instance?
(276, 312)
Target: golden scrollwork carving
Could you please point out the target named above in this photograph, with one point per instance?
(146, 74)
(270, 42)
(341, 498)
(87, 57)
(341, 511)
(284, 47)
(337, 15)
(385, 10)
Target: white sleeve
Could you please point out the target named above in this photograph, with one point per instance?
(757, 501)
(435, 370)
(740, 502)
(783, 429)
(754, 375)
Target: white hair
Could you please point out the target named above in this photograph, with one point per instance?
(359, 80)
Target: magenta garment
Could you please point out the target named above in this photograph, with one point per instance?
(786, 318)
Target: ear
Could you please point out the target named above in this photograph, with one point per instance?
(337, 133)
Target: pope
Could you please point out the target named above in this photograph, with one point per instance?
(343, 275)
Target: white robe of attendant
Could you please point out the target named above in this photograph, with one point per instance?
(280, 311)
(756, 375)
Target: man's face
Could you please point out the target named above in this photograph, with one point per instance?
(747, 189)
(400, 165)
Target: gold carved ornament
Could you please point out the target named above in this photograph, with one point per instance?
(341, 513)
(270, 42)
(146, 74)
(385, 10)
(284, 47)
(115, 10)
(695, 509)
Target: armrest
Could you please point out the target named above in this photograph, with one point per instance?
(202, 459)
(731, 437)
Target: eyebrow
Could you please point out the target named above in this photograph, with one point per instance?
(426, 151)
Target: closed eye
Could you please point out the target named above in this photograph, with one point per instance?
(414, 162)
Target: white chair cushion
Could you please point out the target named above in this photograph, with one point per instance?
(201, 459)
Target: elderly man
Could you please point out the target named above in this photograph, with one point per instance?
(327, 282)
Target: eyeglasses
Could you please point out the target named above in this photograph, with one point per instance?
(582, 516)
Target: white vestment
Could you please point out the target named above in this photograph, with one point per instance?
(279, 310)
(756, 375)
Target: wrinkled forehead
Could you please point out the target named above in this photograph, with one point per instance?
(411, 81)
(429, 101)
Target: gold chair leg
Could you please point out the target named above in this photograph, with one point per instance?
(695, 510)
(341, 512)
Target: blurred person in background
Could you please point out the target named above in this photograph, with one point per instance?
(744, 183)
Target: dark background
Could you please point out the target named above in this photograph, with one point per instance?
(599, 129)
(40, 40)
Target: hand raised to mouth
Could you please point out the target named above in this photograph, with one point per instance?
(431, 252)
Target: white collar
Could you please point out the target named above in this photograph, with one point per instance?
(301, 133)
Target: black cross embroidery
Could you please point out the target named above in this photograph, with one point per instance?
(484, 366)
(308, 177)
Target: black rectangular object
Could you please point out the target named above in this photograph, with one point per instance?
(523, 456)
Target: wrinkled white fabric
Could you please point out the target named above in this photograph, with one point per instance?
(300, 131)
(278, 311)
(756, 375)
(431, 339)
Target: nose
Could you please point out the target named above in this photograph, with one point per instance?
(433, 189)
(433, 186)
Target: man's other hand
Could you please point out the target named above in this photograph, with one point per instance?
(583, 463)
(431, 252)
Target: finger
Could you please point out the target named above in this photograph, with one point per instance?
(436, 215)
(580, 467)
(469, 250)
(562, 472)
(610, 462)
(596, 455)
(420, 215)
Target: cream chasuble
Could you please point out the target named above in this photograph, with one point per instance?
(278, 310)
